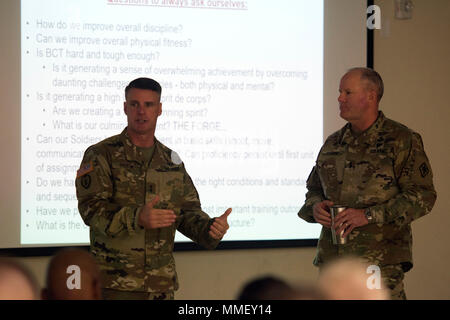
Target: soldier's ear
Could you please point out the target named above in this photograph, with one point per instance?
(373, 96)
(160, 109)
(125, 107)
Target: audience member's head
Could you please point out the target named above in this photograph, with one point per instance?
(306, 292)
(72, 274)
(16, 282)
(266, 288)
(351, 279)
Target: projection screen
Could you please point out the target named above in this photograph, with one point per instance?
(249, 94)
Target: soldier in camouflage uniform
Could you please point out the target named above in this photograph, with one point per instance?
(379, 170)
(134, 193)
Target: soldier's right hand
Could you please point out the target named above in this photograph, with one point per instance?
(151, 218)
(321, 213)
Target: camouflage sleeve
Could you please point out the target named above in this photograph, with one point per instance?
(415, 181)
(94, 192)
(314, 195)
(195, 223)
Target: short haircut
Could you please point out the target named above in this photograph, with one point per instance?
(144, 83)
(266, 288)
(373, 79)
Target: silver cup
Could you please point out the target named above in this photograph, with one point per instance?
(337, 238)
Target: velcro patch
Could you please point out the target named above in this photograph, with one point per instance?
(424, 169)
(85, 169)
(86, 181)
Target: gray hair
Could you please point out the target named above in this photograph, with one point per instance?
(372, 78)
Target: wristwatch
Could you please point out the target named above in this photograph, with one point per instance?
(368, 215)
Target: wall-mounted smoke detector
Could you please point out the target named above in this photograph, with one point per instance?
(403, 9)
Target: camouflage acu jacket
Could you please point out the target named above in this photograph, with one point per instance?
(384, 169)
(113, 183)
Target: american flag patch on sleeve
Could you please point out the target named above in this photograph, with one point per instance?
(85, 169)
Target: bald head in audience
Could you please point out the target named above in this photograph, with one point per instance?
(351, 279)
(72, 274)
(16, 282)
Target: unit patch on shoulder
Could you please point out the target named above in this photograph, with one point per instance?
(424, 169)
(86, 181)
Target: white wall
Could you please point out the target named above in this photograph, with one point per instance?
(413, 58)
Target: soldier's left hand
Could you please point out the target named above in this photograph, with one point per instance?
(348, 220)
(220, 226)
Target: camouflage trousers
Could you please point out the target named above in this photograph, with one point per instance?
(393, 276)
(111, 294)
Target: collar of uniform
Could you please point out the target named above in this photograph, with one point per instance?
(131, 151)
(347, 136)
(161, 159)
